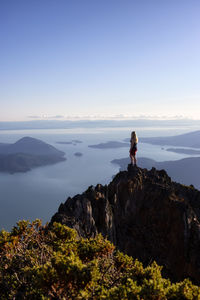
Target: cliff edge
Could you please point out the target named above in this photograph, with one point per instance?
(145, 215)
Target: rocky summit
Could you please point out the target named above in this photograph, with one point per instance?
(145, 215)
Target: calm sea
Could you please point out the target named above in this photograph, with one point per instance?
(38, 193)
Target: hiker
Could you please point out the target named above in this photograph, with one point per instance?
(133, 148)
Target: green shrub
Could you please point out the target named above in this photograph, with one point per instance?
(37, 262)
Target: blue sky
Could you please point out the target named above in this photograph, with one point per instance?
(99, 59)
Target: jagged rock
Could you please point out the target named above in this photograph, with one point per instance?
(144, 214)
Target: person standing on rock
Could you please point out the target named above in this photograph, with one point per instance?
(133, 148)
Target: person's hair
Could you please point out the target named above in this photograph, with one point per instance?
(134, 136)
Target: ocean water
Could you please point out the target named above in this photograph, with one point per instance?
(38, 193)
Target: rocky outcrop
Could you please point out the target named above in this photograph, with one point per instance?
(145, 215)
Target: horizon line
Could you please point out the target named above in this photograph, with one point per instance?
(91, 119)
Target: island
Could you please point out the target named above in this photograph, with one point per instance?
(78, 154)
(64, 143)
(77, 141)
(110, 145)
(73, 142)
(28, 153)
(184, 151)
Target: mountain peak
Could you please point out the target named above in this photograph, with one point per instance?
(26, 154)
(28, 139)
(144, 214)
(33, 146)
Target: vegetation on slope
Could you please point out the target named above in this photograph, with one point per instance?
(41, 263)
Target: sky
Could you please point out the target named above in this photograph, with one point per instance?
(84, 59)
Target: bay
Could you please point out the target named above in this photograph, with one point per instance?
(38, 193)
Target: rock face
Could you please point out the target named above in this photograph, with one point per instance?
(185, 170)
(145, 215)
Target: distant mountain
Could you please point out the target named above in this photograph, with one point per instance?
(191, 139)
(185, 171)
(29, 145)
(60, 124)
(28, 153)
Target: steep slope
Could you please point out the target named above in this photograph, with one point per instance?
(144, 214)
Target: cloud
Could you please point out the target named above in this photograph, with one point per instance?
(55, 117)
(34, 117)
(117, 117)
(46, 117)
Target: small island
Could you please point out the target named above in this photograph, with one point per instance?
(78, 154)
(184, 151)
(77, 141)
(64, 143)
(72, 142)
(110, 145)
(26, 154)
